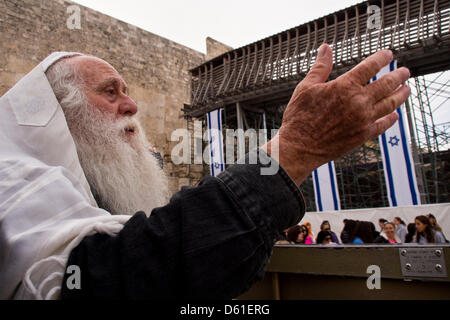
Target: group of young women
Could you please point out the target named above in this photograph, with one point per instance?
(424, 230)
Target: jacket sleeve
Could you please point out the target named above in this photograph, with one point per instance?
(210, 242)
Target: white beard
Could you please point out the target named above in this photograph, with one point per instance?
(122, 173)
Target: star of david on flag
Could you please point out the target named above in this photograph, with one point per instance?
(398, 163)
(393, 141)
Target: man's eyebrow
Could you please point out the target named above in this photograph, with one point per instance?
(112, 81)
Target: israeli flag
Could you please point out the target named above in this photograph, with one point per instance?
(397, 159)
(217, 163)
(325, 188)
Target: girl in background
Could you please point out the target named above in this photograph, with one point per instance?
(310, 233)
(388, 235)
(425, 232)
(411, 232)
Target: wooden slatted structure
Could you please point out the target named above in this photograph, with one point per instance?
(265, 72)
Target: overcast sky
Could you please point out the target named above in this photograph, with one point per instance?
(233, 22)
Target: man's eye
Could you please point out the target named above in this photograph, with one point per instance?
(111, 91)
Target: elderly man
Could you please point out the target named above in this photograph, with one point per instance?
(209, 241)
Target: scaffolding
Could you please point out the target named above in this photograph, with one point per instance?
(255, 82)
(418, 31)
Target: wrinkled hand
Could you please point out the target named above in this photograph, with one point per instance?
(324, 121)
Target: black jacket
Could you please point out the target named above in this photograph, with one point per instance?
(210, 242)
(381, 239)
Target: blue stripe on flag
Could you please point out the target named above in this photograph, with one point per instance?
(388, 162)
(407, 159)
(319, 197)
(333, 189)
(392, 65)
(389, 170)
(219, 124)
(210, 145)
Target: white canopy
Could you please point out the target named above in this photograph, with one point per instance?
(46, 206)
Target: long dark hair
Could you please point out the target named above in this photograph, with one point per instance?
(428, 232)
(304, 229)
(348, 232)
(322, 235)
(365, 230)
(293, 232)
(411, 232)
(435, 226)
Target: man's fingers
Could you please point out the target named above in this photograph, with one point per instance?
(322, 67)
(381, 125)
(367, 69)
(392, 102)
(384, 86)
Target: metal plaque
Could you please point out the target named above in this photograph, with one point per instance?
(423, 262)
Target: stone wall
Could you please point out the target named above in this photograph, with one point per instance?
(156, 69)
(215, 48)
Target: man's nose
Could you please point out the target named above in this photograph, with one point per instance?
(128, 107)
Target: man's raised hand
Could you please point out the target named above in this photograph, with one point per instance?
(326, 120)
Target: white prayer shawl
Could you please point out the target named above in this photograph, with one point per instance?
(46, 206)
